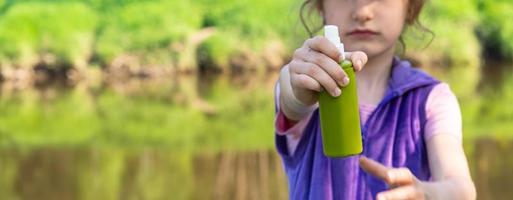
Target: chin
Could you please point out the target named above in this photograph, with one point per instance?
(367, 49)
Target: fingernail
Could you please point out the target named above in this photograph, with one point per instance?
(337, 92)
(390, 176)
(359, 63)
(380, 197)
(345, 81)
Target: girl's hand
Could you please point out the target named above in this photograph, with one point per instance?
(403, 184)
(315, 67)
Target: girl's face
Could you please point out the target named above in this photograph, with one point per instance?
(371, 26)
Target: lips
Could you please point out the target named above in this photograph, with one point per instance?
(362, 32)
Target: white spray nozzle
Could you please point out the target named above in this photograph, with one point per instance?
(331, 33)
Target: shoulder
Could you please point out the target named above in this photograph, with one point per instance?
(443, 113)
(442, 90)
(441, 98)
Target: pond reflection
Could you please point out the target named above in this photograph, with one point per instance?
(161, 173)
(114, 173)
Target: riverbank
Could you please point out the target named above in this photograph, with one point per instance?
(219, 35)
(183, 110)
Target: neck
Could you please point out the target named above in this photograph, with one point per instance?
(372, 80)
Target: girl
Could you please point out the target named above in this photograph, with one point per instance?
(411, 123)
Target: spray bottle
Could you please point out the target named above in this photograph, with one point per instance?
(340, 118)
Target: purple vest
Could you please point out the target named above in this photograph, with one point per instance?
(392, 135)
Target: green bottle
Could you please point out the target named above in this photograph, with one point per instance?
(340, 118)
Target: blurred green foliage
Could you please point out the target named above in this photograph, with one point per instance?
(100, 31)
(81, 32)
(29, 31)
(496, 28)
(144, 26)
(453, 46)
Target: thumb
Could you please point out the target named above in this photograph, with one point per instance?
(358, 58)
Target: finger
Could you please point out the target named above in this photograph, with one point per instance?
(305, 81)
(400, 176)
(374, 168)
(318, 74)
(392, 176)
(404, 192)
(323, 45)
(359, 59)
(327, 64)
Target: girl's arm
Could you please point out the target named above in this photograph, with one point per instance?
(449, 170)
(447, 161)
(451, 177)
(292, 129)
(450, 182)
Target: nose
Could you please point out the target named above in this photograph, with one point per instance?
(363, 11)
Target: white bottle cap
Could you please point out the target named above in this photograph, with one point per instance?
(331, 33)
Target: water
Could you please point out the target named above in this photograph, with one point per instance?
(164, 173)
(140, 174)
(491, 165)
(186, 137)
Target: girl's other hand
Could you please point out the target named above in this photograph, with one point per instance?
(403, 184)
